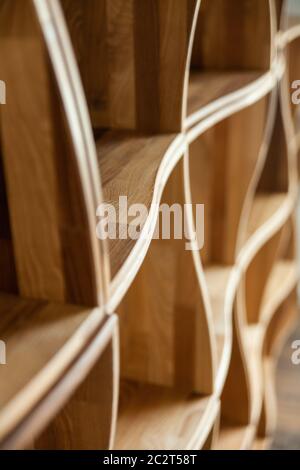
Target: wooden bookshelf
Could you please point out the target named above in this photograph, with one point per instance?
(142, 343)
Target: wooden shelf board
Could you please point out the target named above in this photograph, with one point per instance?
(155, 417)
(263, 207)
(33, 331)
(207, 87)
(217, 277)
(129, 164)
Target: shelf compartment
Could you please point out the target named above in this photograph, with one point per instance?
(257, 276)
(275, 185)
(152, 417)
(272, 270)
(215, 160)
(213, 62)
(264, 206)
(136, 166)
(172, 324)
(62, 189)
(87, 419)
(125, 53)
(270, 210)
(276, 286)
(277, 175)
(167, 351)
(238, 430)
(42, 339)
(210, 90)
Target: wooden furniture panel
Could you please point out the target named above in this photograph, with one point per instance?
(87, 421)
(223, 161)
(225, 59)
(173, 333)
(133, 46)
(168, 102)
(49, 200)
(54, 263)
(59, 332)
(233, 47)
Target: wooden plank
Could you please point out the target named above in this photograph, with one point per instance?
(223, 161)
(86, 421)
(224, 35)
(131, 50)
(47, 199)
(207, 86)
(153, 417)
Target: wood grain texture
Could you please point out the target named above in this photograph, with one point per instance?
(172, 333)
(239, 415)
(87, 26)
(28, 327)
(215, 160)
(208, 86)
(63, 335)
(133, 46)
(48, 210)
(275, 175)
(127, 158)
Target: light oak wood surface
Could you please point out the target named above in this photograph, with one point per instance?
(160, 101)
